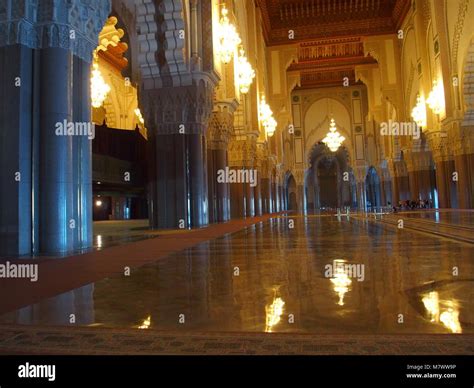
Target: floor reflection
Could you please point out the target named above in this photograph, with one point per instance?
(280, 285)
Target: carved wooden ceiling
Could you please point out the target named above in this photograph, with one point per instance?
(314, 19)
(327, 62)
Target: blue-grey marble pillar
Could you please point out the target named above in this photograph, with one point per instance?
(57, 223)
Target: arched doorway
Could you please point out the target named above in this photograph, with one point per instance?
(327, 173)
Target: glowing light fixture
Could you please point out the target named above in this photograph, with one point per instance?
(228, 37)
(140, 118)
(245, 73)
(266, 118)
(436, 98)
(418, 113)
(98, 203)
(273, 313)
(333, 138)
(99, 88)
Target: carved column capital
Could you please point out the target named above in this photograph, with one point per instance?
(178, 110)
(72, 25)
(242, 151)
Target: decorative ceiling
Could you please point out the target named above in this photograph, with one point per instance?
(327, 62)
(315, 19)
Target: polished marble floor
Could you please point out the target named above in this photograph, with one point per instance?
(273, 278)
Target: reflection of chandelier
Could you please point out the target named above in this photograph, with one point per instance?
(146, 323)
(340, 280)
(442, 311)
(228, 37)
(333, 138)
(273, 313)
(245, 73)
(99, 88)
(266, 118)
(436, 98)
(419, 112)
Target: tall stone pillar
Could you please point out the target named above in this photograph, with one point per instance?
(241, 157)
(56, 210)
(360, 173)
(220, 130)
(50, 73)
(262, 173)
(299, 176)
(177, 120)
(444, 169)
(418, 165)
(17, 93)
(82, 157)
(463, 147)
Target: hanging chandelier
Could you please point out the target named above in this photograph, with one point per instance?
(333, 139)
(266, 118)
(418, 113)
(228, 37)
(436, 98)
(245, 73)
(139, 115)
(99, 88)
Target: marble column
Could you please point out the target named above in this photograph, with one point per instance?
(220, 130)
(177, 125)
(16, 149)
(465, 180)
(360, 173)
(82, 157)
(57, 221)
(266, 205)
(50, 76)
(445, 184)
(241, 157)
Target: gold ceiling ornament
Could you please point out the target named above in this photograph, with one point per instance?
(228, 37)
(418, 113)
(436, 98)
(333, 139)
(245, 73)
(266, 118)
(99, 88)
